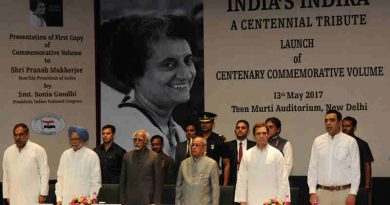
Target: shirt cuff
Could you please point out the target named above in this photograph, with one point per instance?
(354, 191)
(312, 190)
(43, 193)
(59, 198)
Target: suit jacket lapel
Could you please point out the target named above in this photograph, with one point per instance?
(235, 153)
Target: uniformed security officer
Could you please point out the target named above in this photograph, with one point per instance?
(215, 144)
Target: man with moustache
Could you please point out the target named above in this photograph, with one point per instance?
(183, 149)
(79, 169)
(25, 170)
(166, 162)
(110, 155)
(215, 144)
(262, 175)
(197, 180)
(236, 148)
(334, 172)
(349, 125)
(141, 179)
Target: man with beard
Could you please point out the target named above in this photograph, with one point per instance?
(141, 179)
(334, 172)
(79, 169)
(110, 155)
(215, 144)
(236, 149)
(25, 170)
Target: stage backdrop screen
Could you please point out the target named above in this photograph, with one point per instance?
(47, 72)
(295, 60)
(256, 59)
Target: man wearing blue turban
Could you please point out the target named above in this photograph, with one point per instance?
(79, 169)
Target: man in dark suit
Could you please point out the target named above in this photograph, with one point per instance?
(166, 162)
(183, 148)
(241, 131)
(141, 180)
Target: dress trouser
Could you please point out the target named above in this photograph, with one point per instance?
(327, 197)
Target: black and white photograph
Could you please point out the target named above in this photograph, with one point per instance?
(44, 13)
(151, 68)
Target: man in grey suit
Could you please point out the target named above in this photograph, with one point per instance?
(141, 179)
(198, 178)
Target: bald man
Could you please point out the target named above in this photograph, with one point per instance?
(198, 178)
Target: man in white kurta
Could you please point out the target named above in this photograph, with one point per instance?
(25, 170)
(262, 175)
(79, 169)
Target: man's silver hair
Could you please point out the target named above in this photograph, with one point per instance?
(203, 140)
(141, 130)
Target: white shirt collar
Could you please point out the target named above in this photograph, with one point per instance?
(244, 142)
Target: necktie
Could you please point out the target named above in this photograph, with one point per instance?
(239, 156)
(189, 148)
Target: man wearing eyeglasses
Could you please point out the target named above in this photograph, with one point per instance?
(79, 169)
(198, 178)
(142, 177)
